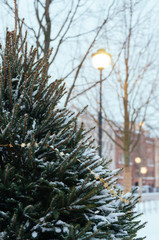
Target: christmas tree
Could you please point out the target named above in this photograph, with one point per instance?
(53, 185)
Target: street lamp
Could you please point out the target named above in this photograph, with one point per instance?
(142, 171)
(138, 160)
(101, 59)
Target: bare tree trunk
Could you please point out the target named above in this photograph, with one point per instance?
(127, 137)
(127, 183)
(127, 178)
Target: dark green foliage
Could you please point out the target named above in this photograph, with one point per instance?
(46, 189)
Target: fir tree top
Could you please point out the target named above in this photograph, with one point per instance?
(47, 189)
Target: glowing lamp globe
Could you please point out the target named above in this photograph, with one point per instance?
(101, 59)
(143, 170)
(138, 160)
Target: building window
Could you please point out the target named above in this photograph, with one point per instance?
(150, 162)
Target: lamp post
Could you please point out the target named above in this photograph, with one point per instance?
(101, 59)
(142, 171)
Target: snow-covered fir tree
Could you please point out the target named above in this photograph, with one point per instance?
(53, 185)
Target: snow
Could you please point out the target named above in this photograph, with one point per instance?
(64, 225)
(3, 214)
(34, 234)
(127, 195)
(2, 234)
(57, 229)
(65, 230)
(151, 216)
(26, 224)
(99, 217)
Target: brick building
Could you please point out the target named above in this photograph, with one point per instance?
(147, 149)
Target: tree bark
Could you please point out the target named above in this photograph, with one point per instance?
(127, 179)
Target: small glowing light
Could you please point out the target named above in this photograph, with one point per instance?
(138, 160)
(143, 170)
(141, 124)
(101, 59)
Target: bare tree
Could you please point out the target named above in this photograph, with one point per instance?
(136, 80)
(132, 80)
(65, 26)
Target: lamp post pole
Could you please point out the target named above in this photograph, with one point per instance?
(100, 115)
(142, 171)
(140, 187)
(101, 60)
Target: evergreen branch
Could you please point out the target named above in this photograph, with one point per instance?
(73, 238)
(5, 68)
(52, 122)
(92, 235)
(44, 141)
(85, 197)
(64, 141)
(1, 85)
(31, 158)
(47, 120)
(10, 85)
(71, 162)
(25, 119)
(84, 183)
(78, 133)
(6, 174)
(18, 51)
(84, 230)
(20, 64)
(72, 192)
(20, 232)
(52, 202)
(25, 56)
(33, 54)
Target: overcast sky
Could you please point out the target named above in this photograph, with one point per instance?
(110, 40)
